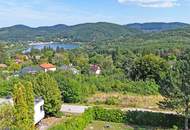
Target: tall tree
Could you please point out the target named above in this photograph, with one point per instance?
(6, 116)
(21, 110)
(149, 67)
(2, 53)
(47, 87)
(177, 88)
(29, 95)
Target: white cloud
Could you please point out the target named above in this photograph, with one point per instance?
(152, 3)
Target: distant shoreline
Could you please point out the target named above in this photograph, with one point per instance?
(40, 43)
(48, 43)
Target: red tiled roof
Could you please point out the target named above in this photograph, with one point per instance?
(47, 66)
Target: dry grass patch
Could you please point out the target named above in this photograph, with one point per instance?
(128, 100)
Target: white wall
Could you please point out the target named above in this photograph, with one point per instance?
(50, 69)
(98, 71)
(38, 114)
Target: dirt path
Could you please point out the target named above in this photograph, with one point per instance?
(77, 109)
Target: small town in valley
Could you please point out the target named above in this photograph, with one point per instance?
(94, 65)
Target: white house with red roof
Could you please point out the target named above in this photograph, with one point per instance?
(48, 67)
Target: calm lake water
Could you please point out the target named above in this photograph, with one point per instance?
(53, 46)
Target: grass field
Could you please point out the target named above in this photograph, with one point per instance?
(128, 100)
(100, 125)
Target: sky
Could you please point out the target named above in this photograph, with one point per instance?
(70, 12)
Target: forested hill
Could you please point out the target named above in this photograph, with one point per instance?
(82, 32)
(88, 32)
(156, 26)
(165, 39)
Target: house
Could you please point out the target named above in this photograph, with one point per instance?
(2, 66)
(95, 69)
(39, 112)
(18, 61)
(48, 67)
(30, 70)
(69, 68)
(37, 57)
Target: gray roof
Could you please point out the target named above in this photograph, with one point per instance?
(30, 70)
(69, 68)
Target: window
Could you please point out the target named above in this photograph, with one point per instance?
(41, 108)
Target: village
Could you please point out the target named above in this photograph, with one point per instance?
(94, 65)
(67, 84)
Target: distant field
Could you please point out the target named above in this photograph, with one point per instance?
(100, 125)
(128, 100)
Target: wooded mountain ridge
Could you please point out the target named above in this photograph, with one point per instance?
(88, 32)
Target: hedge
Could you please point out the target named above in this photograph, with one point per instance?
(76, 123)
(110, 115)
(154, 119)
(141, 118)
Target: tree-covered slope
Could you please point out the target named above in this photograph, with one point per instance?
(93, 32)
(25, 33)
(156, 26)
(152, 41)
(82, 32)
(98, 31)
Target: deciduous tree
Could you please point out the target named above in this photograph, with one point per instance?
(177, 88)
(47, 87)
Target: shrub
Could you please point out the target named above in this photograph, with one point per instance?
(153, 119)
(110, 115)
(112, 101)
(6, 116)
(139, 117)
(142, 87)
(142, 118)
(76, 123)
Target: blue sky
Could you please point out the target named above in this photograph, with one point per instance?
(50, 12)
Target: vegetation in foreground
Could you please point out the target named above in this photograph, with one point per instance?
(151, 64)
(101, 125)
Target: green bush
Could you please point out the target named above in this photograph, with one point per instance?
(76, 123)
(73, 87)
(110, 115)
(112, 101)
(142, 87)
(154, 119)
(141, 118)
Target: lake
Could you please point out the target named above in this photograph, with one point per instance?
(53, 46)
